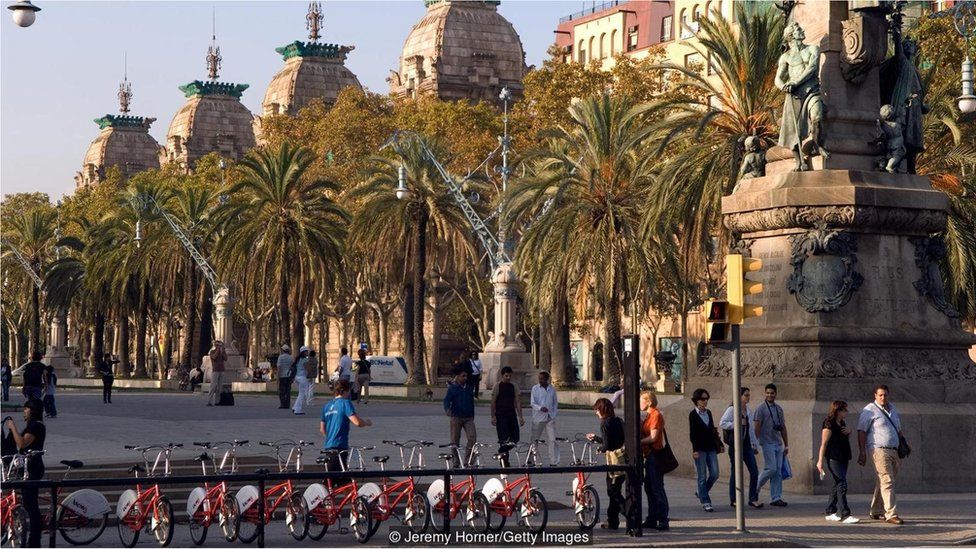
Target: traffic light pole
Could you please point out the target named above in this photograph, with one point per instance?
(740, 497)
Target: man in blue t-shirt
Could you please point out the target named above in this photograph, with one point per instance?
(337, 414)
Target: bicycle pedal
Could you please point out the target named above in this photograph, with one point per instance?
(569, 492)
(525, 511)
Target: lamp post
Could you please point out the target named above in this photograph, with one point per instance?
(964, 19)
(24, 13)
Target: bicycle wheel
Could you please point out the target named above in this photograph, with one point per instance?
(374, 525)
(479, 517)
(318, 519)
(496, 520)
(198, 528)
(437, 516)
(363, 526)
(247, 529)
(418, 513)
(589, 511)
(230, 518)
(79, 530)
(538, 512)
(127, 534)
(164, 521)
(296, 517)
(16, 534)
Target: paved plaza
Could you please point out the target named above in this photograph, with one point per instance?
(94, 432)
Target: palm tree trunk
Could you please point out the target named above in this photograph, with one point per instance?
(125, 365)
(98, 340)
(284, 322)
(190, 326)
(409, 301)
(298, 329)
(545, 341)
(35, 336)
(419, 253)
(206, 321)
(613, 347)
(383, 321)
(563, 372)
(142, 331)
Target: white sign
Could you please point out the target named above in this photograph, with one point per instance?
(387, 370)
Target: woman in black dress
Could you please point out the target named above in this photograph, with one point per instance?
(835, 453)
(611, 443)
(31, 438)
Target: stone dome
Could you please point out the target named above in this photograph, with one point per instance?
(311, 71)
(124, 142)
(461, 50)
(213, 119)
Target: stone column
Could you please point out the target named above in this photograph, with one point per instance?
(57, 350)
(504, 348)
(224, 330)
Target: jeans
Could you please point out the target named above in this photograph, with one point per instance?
(507, 428)
(838, 493)
(749, 459)
(549, 426)
(772, 470)
(657, 498)
(6, 391)
(216, 385)
(706, 464)
(476, 383)
(617, 504)
(107, 388)
(467, 424)
(35, 523)
(49, 406)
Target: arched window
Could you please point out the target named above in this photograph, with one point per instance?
(592, 51)
(603, 45)
(613, 43)
(708, 10)
(697, 17)
(685, 24)
(581, 52)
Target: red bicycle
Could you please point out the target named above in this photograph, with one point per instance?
(13, 516)
(463, 493)
(505, 498)
(147, 508)
(586, 500)
(208, 505)
(296, 512)
(326, 502)
(416, 513)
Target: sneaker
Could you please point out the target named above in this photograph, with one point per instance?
(778, 503)
(851, 519)
(755, 505)
(833, 517)
(708, 508)
(299, 413)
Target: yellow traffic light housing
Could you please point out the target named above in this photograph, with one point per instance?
(736, 269)
(717, 326)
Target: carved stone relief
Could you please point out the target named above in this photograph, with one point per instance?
(929, 252)
(894, 220)
(824, 269)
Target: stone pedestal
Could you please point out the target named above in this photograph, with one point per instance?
(504, 349)
(56, 354)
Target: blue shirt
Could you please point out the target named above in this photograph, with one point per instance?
(459, 400)
(336, 416)
(874, 422)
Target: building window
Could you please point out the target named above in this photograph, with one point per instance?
(694, 61)
(696, 20)
(581, 53)
(603, 45)
(666, 26)
(592, 48)
(632, 38)
(686, 31)
(613, 43)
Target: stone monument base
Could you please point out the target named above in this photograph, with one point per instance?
(63, 366)
(523, 375)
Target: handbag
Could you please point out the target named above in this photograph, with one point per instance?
(904, 450)
(786, 471)
(664, 460)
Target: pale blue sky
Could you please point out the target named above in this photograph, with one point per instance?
(64, 71)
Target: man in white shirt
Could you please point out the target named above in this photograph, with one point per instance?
(475, 372)
(344, 370)
(878, 431)
(544, 409)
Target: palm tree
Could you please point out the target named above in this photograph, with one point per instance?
(596, 174)
(33, 233)
(427, 219)
(284, 228)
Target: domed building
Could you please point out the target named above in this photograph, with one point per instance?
(312, 70)
(461, 50)
(213, 119)
(124, 141)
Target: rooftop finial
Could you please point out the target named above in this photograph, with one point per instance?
(213, 52)
(125, 88)
(313, 21)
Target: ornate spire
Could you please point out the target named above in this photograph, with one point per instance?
(213, 53)
(313, 21)
(125, 88)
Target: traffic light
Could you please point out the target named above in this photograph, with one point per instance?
(736, 268)
(717, 326)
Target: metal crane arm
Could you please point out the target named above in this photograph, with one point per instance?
(25, 264)
(201, 261)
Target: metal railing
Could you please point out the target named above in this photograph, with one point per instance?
(54, 485)
(592, 10)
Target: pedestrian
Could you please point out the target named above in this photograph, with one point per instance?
(301, 379)
(835, 454)
(218, 362)
(35, 373)
(476, 371)
(459, 406)
(6, 378)
(610, 442)
(337, 415)
(879, 432)
(770, 425)
(31, 438)
(312, 366)
(104, 369)
(506, 413)
(465, 364)
(196, 377)
(285, 376)
(50, 388)
(545, 406)
(750, 447)
(363, 368)
(705, 445)
(653, 438)
(344, 370)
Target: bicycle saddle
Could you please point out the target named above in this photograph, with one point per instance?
(137, 469)
(560, 439)
(73, 463)
(507, 446)
(202, 457)
(445, 456)
(322, 460)
(498, 456)
(380, 459)
(262, 471)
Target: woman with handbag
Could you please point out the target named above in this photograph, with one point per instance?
(658, 460)
(610, 442)
(706, 446)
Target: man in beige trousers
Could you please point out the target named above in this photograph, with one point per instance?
(878, 430)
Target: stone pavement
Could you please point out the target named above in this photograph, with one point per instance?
(94, 432)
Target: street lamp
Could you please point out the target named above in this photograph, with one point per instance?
(964, 18)
(401, 190)
(24, 13)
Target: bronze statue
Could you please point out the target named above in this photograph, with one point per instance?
(754, 161)
(798, 75)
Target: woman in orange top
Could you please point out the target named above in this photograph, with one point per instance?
(652, 438)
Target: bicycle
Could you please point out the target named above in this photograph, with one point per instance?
(13, 516)
(207, 505)
(464, 492)
(416, 507)
(296, 511)
(147, 508)
(327, 502)
(586, 500)
(504, 497)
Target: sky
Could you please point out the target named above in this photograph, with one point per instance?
(64, 71)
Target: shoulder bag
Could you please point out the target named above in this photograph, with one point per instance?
(664, 459)
(904, 450)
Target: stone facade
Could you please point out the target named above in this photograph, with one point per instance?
(212, 120)
(460, 50)
(123, 142)
(311, 71)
